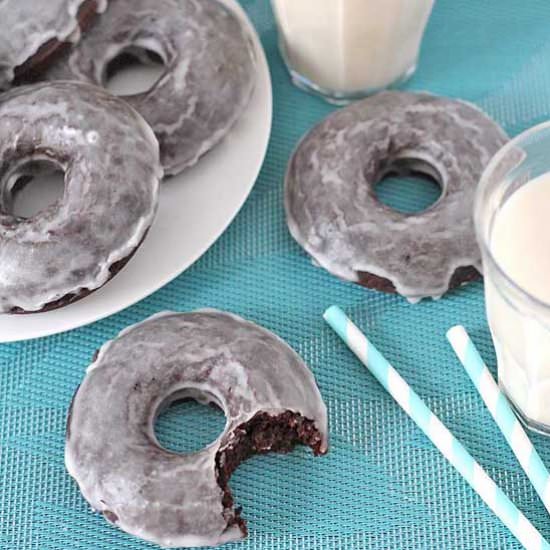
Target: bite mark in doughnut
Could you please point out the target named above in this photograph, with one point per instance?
(210, 69)
(269, 397)
(332, 209)
(110, 158)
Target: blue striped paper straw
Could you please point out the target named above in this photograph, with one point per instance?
(436, 431)
(501, 411)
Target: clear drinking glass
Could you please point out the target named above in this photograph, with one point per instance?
(519, 321)
(347, 49)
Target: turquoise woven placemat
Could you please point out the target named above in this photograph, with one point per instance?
(382, 486)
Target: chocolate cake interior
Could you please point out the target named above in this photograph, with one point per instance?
(260, 435)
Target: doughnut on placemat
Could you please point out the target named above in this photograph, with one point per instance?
(382, 485)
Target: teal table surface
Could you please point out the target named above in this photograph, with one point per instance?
(382, 485)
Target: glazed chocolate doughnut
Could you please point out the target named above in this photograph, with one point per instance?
(31, 32)
(333, 212)
(111, 162)
(210, 69)
(269, 397)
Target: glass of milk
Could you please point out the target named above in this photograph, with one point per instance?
(347, 49)
(512, 215)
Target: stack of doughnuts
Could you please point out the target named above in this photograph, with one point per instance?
(54, 61)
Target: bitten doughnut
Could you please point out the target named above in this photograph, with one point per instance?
(267, 393)
(111, 162)
(333, 212)
(210, 69)
(32, 30)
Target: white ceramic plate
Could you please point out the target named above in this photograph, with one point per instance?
(195, 209)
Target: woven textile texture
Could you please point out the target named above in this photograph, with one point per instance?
(382, 485)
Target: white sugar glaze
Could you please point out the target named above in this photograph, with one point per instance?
(332, 209)
(210, 69)
(112, 172)
(26, 25)
(174, 499)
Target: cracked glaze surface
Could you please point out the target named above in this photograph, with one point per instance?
(210, 69)
(332, 210)
(112, 171)
(168, 498)
(26, 25)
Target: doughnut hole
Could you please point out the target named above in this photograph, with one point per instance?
(409, 186)
(188, 421)
(32, 187)
(133, 70)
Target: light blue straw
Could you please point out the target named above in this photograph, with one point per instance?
(436, 431)
(502, 412)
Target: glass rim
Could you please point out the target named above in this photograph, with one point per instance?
(481, 234)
